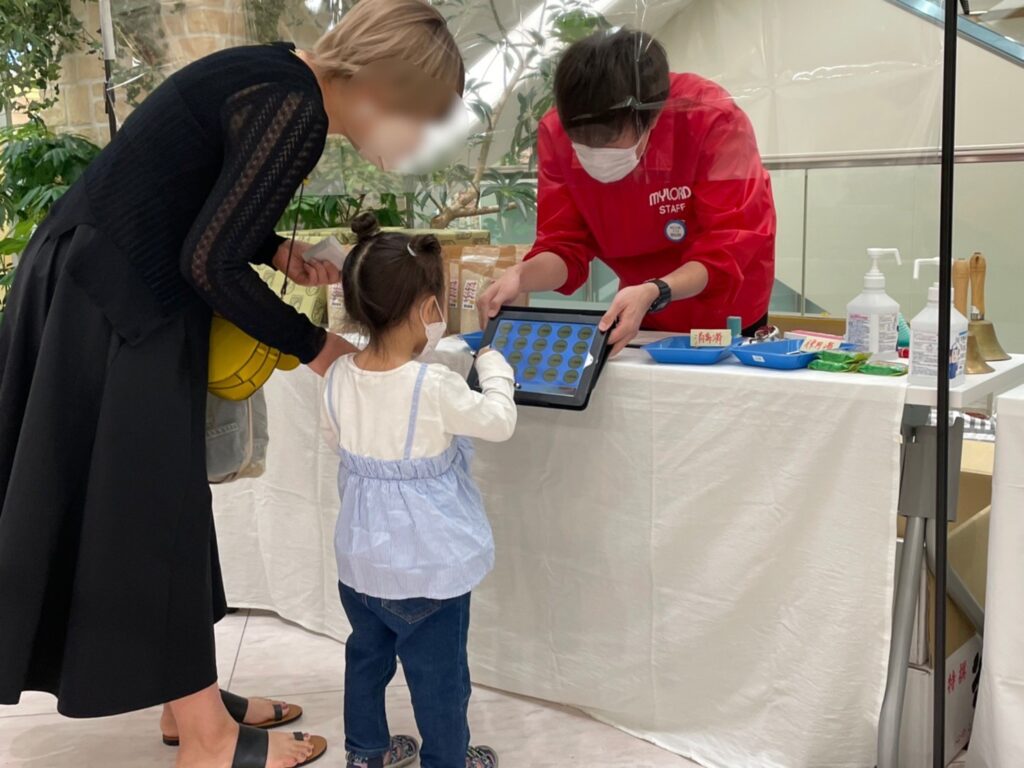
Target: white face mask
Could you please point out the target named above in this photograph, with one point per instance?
(389, 139)
(435, 331)
(608, 164)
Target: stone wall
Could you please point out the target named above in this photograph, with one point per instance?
(155, 39)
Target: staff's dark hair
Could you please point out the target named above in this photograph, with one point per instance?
(600, 73)
(387, 273)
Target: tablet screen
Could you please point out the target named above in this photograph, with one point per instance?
(549, 357)
(557, 355)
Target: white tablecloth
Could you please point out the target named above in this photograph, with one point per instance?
(704, 557)
(998, 737)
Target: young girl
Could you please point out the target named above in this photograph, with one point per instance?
(412, 538)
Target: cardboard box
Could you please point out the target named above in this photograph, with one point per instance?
(469, 269)
(968, 542)
(968, 555)
(963, 670)
(786, 321)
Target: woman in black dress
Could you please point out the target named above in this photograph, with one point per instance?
(109, 578)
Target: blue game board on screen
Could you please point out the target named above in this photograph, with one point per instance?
(557, 355)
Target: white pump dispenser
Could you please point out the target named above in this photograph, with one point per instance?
(924, 338)
(872, 318)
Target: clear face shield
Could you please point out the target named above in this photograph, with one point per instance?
(609, 123)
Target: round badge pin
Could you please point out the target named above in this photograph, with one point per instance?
(675, 230)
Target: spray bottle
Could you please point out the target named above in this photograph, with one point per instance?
(924, 338)
(872, 318)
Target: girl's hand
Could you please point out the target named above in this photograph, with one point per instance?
(300, 271)
(334, 347)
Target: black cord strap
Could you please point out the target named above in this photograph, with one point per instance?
(291, 243)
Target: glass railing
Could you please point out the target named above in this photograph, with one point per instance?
(831, 209)
(997, 25)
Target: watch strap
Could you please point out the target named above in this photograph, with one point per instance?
(664, 295)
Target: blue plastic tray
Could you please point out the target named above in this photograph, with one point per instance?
(777, 354)
(676, 350)
(474, 340)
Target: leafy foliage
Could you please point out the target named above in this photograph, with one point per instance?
(36, 167)
(530, 61)
(332, 211)
(36, 34)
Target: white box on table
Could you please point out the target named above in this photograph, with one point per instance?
(963, 668)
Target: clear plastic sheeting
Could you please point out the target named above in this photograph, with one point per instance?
(834, 84)
(846, 77)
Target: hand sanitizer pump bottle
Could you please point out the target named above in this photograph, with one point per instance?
(924, 339)
(872, 318)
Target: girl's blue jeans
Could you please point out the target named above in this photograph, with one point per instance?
(429, 636)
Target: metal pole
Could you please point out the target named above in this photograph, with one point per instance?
(107, 34)
(942, 380)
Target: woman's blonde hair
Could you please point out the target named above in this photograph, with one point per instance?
(377, 35)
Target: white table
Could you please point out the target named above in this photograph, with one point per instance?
(998, 738)
(704, 557)
(977, 391)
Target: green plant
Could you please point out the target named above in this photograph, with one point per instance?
(6, 280)
(36, 167)
(332, 211)
(36, 34)
(459, 190)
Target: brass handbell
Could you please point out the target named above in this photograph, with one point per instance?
(971, 275)
(988, 343)
(975, 360)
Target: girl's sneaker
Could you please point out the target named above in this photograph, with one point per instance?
(404, 750)
(481, 757)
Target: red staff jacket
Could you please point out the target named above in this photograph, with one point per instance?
(700, 193)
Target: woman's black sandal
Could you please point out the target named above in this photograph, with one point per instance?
(253, 743)
(238, 707)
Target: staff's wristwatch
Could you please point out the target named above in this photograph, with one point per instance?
(664, 296)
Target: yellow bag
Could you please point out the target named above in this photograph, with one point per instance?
(239, 364)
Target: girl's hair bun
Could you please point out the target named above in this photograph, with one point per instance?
(423, 245)
(365, 226)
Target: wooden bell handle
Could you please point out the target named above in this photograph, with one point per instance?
(961, 283)
(978, 269)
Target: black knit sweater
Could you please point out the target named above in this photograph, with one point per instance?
(194, 182)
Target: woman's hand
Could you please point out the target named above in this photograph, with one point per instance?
(499, 293)
(629, 307)
(334, 347)
(300, 271)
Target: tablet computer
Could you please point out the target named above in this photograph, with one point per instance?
(557, 355)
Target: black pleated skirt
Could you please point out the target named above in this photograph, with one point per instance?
(109, 578)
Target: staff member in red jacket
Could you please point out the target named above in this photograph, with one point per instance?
(658, 174)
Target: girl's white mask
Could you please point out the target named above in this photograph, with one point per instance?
(435, 331)
(608, 164)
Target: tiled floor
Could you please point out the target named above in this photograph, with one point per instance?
(260, 654)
